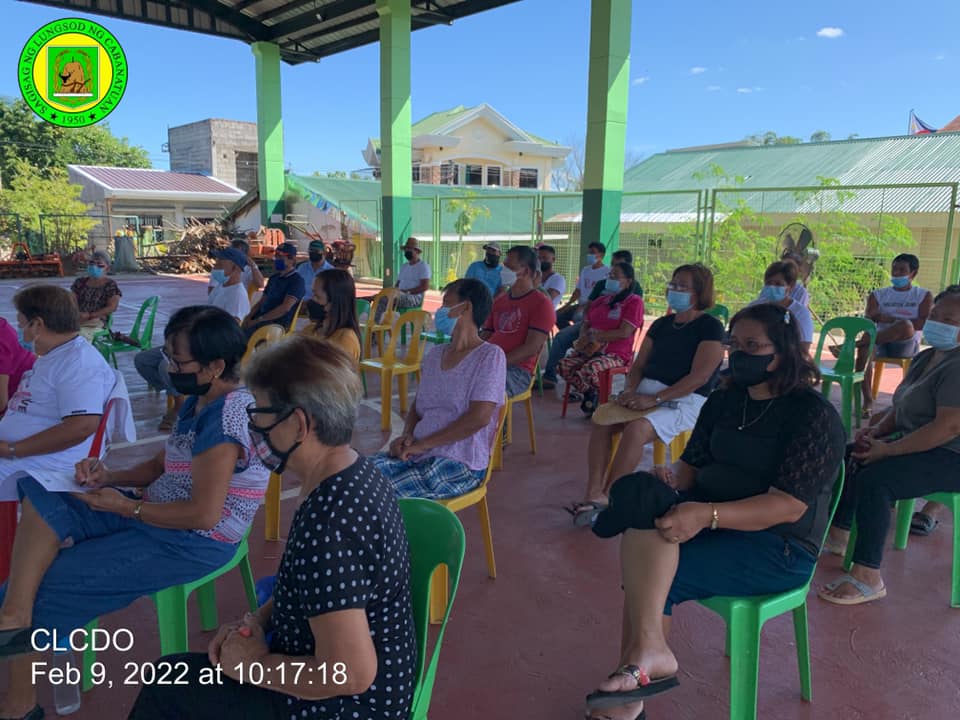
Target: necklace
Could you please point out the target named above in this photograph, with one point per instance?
(743, 419)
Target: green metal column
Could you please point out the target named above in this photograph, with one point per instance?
(269, 133)
(607, 94)
(396, 161)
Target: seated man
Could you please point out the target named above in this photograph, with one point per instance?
(314, 266)
(567, 336)
(250, 276)
(596, 272)
(282, 296)
(900, 311)
(520, 320)
(414, 276)
(553, 283)
(487, 270)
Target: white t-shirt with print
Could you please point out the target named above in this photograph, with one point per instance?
(412, 275)
(231, 298)
(556, 282)
(70, 380)
(900, 304)
(589, 277)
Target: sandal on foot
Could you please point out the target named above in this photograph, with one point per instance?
(15, 641)
(867, 593)
(833, 548)
(35, 714)
(645, 688)
(922, 524)
(584, 512)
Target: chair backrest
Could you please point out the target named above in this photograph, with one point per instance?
(267, 335)
(435, 537)
(852, 328)
(721, 313)
(834, 499)
(495, 442)
(296, 316)
(363, 306)
(99, 437)
(143, 330)
(390, 296)
(417, 319)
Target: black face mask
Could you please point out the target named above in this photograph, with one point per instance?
(317, 312)
(408, 254)
(316, 256)
(186, 384)
(545, 266)
(273, 459)
(749, 370)
(491, 260)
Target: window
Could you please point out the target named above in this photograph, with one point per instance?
(474, 175)
(528, 178)
(416, 173)
(493, 175)
(449, 174)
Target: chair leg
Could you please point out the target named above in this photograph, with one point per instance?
(851, 543)
(659, 453)
(801, 632)
(846, 405)
(172, 620)
(877, 376)
(904, 516)
(744, 663)
(566, 400)
(249, 584)
(89, 657)
(533, 433)
(509, 423)
(487, 536)
(857, 404)
(207, 599)
(386, 399)
(955, 572)
(272, 508)
(438, 594)
(402, 388)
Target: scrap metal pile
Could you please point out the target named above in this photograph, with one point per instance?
(190, 254)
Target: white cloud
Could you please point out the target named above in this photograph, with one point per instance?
(744, 90)
(697, 70)
(641, 80)
(713, 88)
(830, 33)
(940, 57)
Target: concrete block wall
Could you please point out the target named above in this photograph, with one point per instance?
(211, 147)
(190, 148)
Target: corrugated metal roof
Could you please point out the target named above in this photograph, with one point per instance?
(871, 161)
(113, 178)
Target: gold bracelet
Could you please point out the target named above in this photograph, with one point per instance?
(139, 508)
(715, 522)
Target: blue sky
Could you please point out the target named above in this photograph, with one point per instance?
(701, 73)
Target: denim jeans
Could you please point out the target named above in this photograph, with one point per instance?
(562, 342)
(153, 368)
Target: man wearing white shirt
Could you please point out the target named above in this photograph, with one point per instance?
(250, 277)
(779, 281)
(414, 276)
(593, 273)
(553, 283)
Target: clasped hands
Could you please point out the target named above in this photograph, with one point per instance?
(636, 401)
(238, 644)
(405, 447)
(868, 448)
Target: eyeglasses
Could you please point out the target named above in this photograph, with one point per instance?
(281, 412)
(750, 346)
(679, 287)
(177, 364)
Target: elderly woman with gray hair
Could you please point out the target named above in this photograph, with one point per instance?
(98, 296)
(342, 641)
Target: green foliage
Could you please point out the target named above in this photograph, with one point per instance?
(820, 136)
(465, 211)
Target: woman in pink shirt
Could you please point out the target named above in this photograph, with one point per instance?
(15, 360)
(445, 446)
(606, 336)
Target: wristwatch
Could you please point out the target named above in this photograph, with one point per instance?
(658, 399)
(137, 510)
(13, 451)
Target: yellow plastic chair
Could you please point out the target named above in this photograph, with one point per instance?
(526, 397)
(677, 446)
(296, 316)
(267, 335)
(878, 364)
(390, 366)
(478, 497)
(271, 525)
(391, 296)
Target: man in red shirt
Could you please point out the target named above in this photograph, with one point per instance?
(521, 319)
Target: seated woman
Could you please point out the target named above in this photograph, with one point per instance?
(677, 363)
(743, 513)
(910, 451)
(341, 649)
(444, 448)
(333, 311)
(52, 415)
(779, 287)
(15, 360)
(67, 568)
(98, 296)
(606, 336)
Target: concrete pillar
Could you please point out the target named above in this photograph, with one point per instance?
(269, 132)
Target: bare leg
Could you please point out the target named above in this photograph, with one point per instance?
(598, 457)
(21, 696)
(648, 563)
(636, 436)
(35, 548)
(870, 577)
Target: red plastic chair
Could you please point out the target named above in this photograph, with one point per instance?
(8, 510)
(606, 377)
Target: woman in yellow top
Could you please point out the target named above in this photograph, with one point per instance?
(333, 311)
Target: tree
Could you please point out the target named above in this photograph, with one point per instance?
(820, 136)
(96, 145)
(569, 177)
(466, 211)
(771, 138)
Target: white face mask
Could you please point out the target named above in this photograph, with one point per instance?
(507, 276)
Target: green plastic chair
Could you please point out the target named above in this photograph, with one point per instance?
(363, 306)
(902, 534)
(172, 608)
(745, 617)
(142, 332)
(436, 539)
(844, 370)
(721, 313)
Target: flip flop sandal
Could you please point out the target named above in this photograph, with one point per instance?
(867, 593)
(585, 512)
(646, 687)
(15, 641)
(922, 524)
(35, 714)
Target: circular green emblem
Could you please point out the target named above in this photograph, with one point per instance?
(72, 72)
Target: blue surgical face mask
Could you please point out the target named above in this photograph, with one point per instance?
(774, 293)
(900, 281)
(611, 286)
(279, 264)
(94, 271)
(591, 258)
(218, 276)
(941, 336)
(26, 345)
(442, 320)
(679, 301)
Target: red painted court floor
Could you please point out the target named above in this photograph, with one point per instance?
(533, 642)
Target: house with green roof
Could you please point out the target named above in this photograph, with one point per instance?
(476, 147)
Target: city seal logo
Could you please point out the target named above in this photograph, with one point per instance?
(72, 72)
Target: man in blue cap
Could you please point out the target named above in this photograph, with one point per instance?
(229, 294)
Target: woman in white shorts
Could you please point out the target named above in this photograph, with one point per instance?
(674, 371)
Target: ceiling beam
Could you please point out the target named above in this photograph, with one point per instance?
(339, 27)
(248, 26)
(364, 38)
(308, 20)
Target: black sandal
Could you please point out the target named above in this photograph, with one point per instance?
(35, 714)
(922, 524)
(646, 687)
(584, 512)
(15, 641)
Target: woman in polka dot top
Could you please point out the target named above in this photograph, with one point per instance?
(342, 641)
